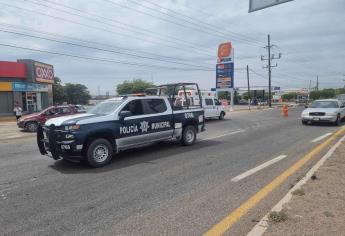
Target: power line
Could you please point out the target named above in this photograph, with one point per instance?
(30, 29)
(123, 25)
(194, 21)
(100, 49)
(103, 29)
(100, 59)
(168, 20)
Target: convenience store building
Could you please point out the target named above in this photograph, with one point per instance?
(27, 82)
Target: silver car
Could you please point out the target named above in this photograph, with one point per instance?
(326, 110)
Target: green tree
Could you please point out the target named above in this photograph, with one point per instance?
(134, 86)
(77, 93)
(340, 91)
(289, 96)
(321, 94)
(223, 95)
(315, 95)
(59, 95)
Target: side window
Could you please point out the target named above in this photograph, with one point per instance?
(152, 106)
(208, 102)
(134, 107)
(216, 102)
(65, 110)
(51, 112)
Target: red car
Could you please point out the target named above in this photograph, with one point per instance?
(30, 122)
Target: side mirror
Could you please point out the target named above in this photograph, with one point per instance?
(342, 106)
(124, 114)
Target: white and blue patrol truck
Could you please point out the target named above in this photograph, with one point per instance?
(121, 123)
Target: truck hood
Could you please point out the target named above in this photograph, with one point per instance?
(327, 110)
(71, 119)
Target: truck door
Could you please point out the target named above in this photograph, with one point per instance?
(218, 106)
(209, 108)
(149, 122)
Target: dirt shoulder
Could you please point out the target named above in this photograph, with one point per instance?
(319, 208)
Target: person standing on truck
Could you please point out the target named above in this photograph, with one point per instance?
(18, 110)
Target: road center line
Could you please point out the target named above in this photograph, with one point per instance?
(258, 168)
(226, 223)
(222, 135)
(321, 137)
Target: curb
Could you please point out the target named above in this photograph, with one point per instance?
(260, 228)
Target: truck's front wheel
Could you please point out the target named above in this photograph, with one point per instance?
(188, 135)
(99, 153)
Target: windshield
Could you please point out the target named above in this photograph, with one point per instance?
(324, 104)
(105, 107)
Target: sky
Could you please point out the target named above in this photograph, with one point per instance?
(101, 43)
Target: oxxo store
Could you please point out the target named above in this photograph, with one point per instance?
(27, 82)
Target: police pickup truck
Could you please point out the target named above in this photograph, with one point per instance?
(121, 123)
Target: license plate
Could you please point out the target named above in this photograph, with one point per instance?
(316, 118)
(66, 147)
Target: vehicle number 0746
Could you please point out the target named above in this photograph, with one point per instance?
(188, 115)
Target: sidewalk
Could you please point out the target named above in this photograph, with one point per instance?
(7, 118)
(9, 130)
(318, 208)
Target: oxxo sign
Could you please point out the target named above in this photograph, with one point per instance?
(44, 72)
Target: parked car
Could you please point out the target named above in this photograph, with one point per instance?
(243, 102)
(80, 108)
(326, 110)
(30, 122)
(262, 102)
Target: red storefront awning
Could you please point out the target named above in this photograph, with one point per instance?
(10, 69)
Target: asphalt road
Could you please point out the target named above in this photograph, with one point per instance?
(163, 189)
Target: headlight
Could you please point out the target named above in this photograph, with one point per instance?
(72, 127)
(331, 114)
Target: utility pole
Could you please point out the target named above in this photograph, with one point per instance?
(317, 83)
(309, 91)
(248, 87)
(270, 58)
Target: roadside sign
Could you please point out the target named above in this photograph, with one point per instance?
(255, 5)
(225, 76)
(225, 53)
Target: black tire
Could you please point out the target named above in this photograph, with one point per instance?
(338, 121)
(188, 135)
(99, 153)
(31, 126)
(221, 116)
(304, 122)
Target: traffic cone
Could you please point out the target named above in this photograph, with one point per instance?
(285, 111)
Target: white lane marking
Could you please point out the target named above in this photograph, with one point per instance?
(222, 135)
(321, 137)
(15, 136)
(258, 168)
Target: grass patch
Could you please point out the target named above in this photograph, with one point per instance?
(277, 217)
(298, 192)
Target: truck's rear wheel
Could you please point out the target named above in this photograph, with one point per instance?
(99, 153)
(188, 135)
